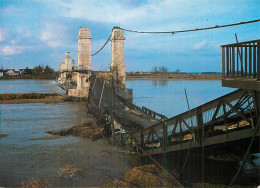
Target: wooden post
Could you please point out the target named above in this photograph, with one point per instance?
(245, 61)
(258, 60)
(233, 61)
(254, 61)
(241, 61)
(227, 61)
(250, 61)
(223, 62)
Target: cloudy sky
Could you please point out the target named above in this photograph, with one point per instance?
(36, 32)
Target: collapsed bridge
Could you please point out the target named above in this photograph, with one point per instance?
(227, 124)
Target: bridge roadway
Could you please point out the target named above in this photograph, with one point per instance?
(226, 124)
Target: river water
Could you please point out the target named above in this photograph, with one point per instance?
(22, 158)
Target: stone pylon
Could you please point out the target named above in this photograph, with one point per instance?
(84, 48)
(62, 65)
(67, 60)
(72, 63)
(118, 55)
(62, 68)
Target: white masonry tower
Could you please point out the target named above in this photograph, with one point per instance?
(67, 60)
(84, 48)
(118, 55)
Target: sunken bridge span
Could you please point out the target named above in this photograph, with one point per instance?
(226, 124)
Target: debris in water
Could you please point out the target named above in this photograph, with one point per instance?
(70, 171)
(35, 183)
(87, 129)
(118, 183)
(3, 135)
(143, 176)
(46, 138)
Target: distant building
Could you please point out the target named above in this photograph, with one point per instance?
(10, 72)
(1, 74)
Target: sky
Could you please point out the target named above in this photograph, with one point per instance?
(34, 32)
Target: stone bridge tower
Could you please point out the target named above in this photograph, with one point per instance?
(118, 55)
(67, 61)
(84, 48)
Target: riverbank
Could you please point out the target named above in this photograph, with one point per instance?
(176, 76)
(18, 77)
(20, 98)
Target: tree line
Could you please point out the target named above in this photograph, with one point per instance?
(41, 72)
(37, 72)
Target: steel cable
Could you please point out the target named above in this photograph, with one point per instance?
(102, 46)
(191, 30)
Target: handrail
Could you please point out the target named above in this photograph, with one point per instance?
(238, 43)
(241, 60)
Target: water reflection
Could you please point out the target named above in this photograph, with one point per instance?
(160, 82)
(166, 96)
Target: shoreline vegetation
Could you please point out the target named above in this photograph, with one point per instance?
(20, 98)
(39, 72)
(188, 76)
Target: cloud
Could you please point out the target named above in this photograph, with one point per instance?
(2, 35)
(200, 45)
(11, 10)
(12, 50)
(53, 34)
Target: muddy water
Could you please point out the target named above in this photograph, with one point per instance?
(22, 158)
(29, 86)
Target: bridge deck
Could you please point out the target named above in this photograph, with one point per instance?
(222, 122)
(134, 118)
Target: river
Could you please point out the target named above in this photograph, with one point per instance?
(22, 158)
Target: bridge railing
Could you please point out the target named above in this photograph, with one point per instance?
(241, 60)
(220, 116)
(153, 114)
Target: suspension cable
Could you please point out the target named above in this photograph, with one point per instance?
(102, 46)
(191, 30)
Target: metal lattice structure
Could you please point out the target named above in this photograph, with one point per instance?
(226, 119)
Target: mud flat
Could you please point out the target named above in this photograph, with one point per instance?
(3, 135)
(21, 98)
(87, 129)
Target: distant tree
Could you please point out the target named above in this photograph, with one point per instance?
(1, 68)
(163, 70)
(28, 71)
(40, 72)
(155, 70)
(177, 71)
(37, 72)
